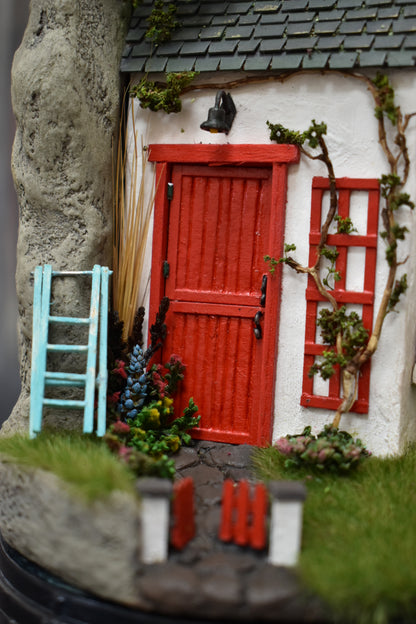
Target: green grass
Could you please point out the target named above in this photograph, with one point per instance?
(82, 462)
(359, 536)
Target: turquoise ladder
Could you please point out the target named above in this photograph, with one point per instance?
(97, 342)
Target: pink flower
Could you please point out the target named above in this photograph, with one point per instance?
(300, 444)
(324, 454)
(353, 453)
(124, 453)
(284, 446)
(120, 370)
(114, 398)
(159, 383)
(121, 428)
(175, 359)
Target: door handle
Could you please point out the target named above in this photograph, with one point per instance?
(257, 327)
(263, 291)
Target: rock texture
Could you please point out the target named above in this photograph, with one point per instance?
(66, 97)
(94, 546)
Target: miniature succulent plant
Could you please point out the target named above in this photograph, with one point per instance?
(331, 449)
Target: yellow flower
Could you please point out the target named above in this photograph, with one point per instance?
(154, 416)
(167, 402)
(139, 434)
(174, 443)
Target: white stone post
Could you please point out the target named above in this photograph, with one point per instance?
(286, 521)
(155, 518)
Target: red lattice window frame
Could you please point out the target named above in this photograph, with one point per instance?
(365, 298)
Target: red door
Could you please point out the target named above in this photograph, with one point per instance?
(218, 226)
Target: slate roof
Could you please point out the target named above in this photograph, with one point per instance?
(277, 35)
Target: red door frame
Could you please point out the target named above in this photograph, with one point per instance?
(278, 157)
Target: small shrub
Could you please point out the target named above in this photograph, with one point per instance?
(145, 432)
(331, 450)
(163, 97)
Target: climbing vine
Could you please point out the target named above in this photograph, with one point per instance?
(350, 345)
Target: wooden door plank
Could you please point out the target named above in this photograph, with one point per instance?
(224, 154)
(223, 220)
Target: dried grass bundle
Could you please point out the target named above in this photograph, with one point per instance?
(132, 214)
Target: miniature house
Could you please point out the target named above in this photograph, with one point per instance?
(225, 200)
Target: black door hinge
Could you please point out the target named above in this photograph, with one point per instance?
(169, 191)
(166, 269)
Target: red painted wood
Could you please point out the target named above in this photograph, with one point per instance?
(220, 223)
(332, 403)
(224, 154)
(161, 215)
(354, 184)
(343, 296)
(227, 510)
(241, 528)
(349, 240)
(364, 298)
(217, 309)
(262, 426)
(259, 506)
(183, 511)
(244, 514)
(210, 203)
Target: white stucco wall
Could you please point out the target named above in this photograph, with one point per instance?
(347, 108)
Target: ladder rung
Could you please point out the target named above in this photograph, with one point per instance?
(72, 384)
(95, 350)
(66, 347)
(63, 273)
(54, 273)
(70, 403)
(69, 319)
(65, 379)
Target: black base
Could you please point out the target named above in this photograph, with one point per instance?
(30, 595)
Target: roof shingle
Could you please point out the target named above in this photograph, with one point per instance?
(281, 35)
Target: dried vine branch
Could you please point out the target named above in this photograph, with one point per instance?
(351, 346)
(391, 185)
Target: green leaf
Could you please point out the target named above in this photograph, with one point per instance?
(345, 226)
(400, 288)
(282, 135)
(314, 133)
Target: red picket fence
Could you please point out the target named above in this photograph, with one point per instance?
(244, 514)
(183, 512)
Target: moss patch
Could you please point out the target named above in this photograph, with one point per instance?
(81, 461)
(359, 540)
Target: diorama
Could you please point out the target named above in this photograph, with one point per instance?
(215, 272)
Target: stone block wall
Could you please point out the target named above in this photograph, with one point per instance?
(66, 100)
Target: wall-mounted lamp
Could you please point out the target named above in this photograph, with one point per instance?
(221, 116)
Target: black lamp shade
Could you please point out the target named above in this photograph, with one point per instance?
(221, 116)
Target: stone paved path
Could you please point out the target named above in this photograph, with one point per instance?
(209, 463)
(215, 581)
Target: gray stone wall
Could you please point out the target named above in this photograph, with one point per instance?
(66, 100)
(13, 20)
(95, 546)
